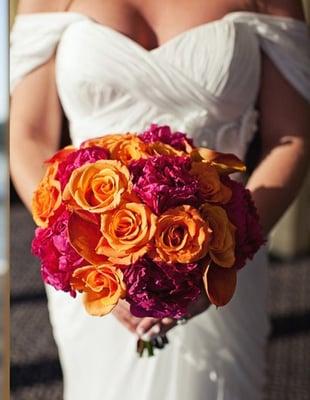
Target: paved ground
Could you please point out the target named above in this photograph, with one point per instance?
(35, 370)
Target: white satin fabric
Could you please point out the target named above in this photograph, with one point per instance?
(205, 82)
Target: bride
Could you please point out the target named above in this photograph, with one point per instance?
(215, 69)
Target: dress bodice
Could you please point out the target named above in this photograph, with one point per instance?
(204, 81)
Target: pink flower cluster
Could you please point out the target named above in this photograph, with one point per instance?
(163, 134)
(158, 290)
(164, 182)
(58, 257)
(243, 215)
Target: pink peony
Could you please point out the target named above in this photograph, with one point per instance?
(58, 258)
(164, 182)
(243, 214)
(76, 159)
(163, 134)
(157, 289)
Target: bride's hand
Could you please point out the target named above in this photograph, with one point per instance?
(149, 328)
(122, 313)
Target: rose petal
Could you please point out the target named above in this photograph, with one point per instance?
(84, 236)
(47, 197)
(102, 285)
(96, 306)
(220, 284)
(97, 187)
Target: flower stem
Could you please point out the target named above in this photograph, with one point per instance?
(143, 345)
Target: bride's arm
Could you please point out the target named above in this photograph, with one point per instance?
(35, 117)
(285, 134)
(35, 124)
(284, 130)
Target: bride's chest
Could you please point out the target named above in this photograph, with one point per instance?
(217, 62)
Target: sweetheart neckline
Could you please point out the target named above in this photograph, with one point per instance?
(175, 38)
(225, 18)
(128, 38)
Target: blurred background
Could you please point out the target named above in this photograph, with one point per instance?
(4, 290)
(35, 369)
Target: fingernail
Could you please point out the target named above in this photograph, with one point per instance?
(140, 331)
(151, 333)
(146, 337)
(155, 330)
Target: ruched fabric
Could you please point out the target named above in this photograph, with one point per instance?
(204, 81)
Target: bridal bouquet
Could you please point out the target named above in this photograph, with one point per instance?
(144, 217)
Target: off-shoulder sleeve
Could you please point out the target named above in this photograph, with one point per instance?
(287, 43)
(33, 40)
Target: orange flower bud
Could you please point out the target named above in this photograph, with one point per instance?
(47, 198)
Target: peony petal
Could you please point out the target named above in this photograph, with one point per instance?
(220, 284)
(158, 289)
(225, 163)
(84, 235)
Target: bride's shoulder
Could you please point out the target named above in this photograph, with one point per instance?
(40, 6)
(281, 8)
(32, 47)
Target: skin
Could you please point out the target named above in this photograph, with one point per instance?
(35, 126)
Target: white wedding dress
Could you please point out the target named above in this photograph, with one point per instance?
(204, 82)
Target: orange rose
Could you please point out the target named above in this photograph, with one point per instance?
(103, 286)
(97, 187)
(222, 243)
(225, 163)
(129, 148)
(182, 235)
(126, 233)
(47, 198)
(210, 184)
(160, 148)
(122, 147)
(107, 141)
